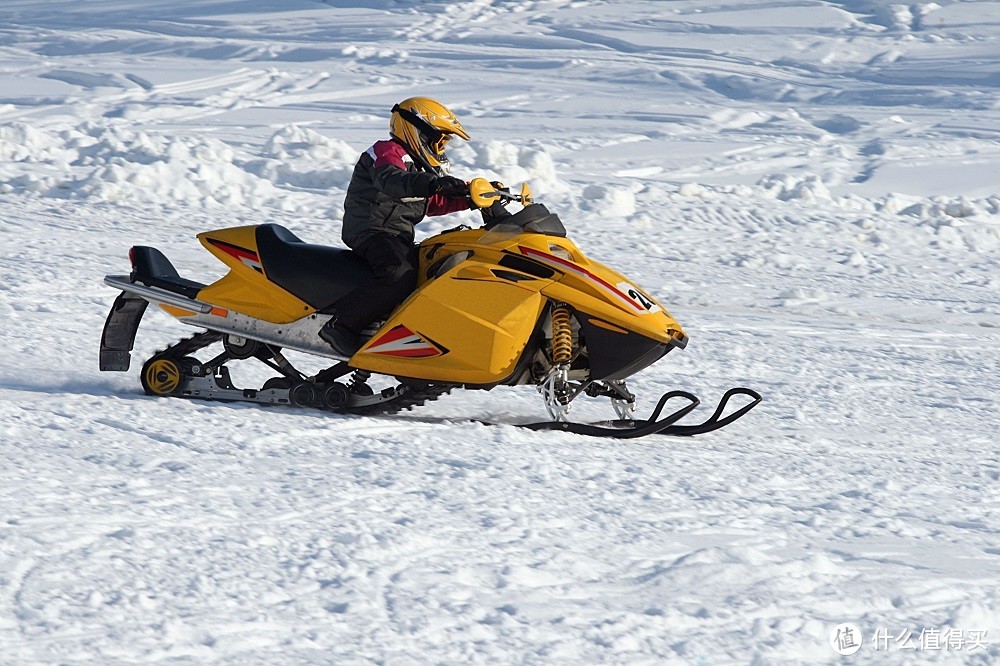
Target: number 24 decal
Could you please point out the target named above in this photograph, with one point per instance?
(637, 296)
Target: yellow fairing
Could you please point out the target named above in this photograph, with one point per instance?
(601, 294)
(478, 323)
(245, 288)
(470, 325)
(594, 289)
(588, 286)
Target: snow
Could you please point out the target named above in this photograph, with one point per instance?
(810, 187)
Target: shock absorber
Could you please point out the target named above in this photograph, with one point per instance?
(562, 335)
(555, 387)
(359, 381)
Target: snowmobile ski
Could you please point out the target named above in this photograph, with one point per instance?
(654, 425)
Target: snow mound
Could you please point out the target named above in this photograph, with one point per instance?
(608, 201)
(510, 163)
(960, 207)
(24, 143)
(295, 142)
(136, 166)
(117, 163)
(892, 15)
(807, 187)
(298, 157)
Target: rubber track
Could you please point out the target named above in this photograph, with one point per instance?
(415, 396)
(190, 345)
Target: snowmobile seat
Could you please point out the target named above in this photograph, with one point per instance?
(317, 274)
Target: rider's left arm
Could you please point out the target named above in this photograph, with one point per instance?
(438, 204)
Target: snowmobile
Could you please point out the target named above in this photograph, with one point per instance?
(514, 303)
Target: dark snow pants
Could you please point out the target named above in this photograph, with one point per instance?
(394, 262)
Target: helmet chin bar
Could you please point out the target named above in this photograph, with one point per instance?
(438, 145)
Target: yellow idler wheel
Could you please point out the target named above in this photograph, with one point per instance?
(161, 376)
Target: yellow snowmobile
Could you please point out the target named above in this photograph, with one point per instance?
(517, 303)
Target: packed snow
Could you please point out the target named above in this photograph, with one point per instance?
(811, 187)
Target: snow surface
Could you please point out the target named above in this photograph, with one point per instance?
(810, 186)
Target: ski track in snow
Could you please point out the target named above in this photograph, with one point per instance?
(809, 187)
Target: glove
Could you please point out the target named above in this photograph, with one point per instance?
(451, 187)
(494, 215)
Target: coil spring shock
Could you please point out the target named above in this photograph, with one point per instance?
(358, 379)
(562, 335)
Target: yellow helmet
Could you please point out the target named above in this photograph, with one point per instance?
(425, 126)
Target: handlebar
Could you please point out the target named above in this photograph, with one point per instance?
(484, 193)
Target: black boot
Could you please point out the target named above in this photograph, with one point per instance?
(342, 339)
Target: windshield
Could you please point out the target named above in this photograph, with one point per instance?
(534, 218)
(499, 234)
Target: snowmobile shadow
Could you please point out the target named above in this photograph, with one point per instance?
(341, 419)
(347, 422)
(92, 388)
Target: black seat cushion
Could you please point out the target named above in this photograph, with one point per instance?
(317, 274)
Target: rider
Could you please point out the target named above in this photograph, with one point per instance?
(396, 183)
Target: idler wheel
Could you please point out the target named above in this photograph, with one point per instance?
(161, 376)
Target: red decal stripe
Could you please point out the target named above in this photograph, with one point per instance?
(235, 250)
(404, 343)
(576, 268)
(397, 333)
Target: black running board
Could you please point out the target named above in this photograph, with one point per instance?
(654, 425)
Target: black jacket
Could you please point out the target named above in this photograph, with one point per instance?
(390, 194)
